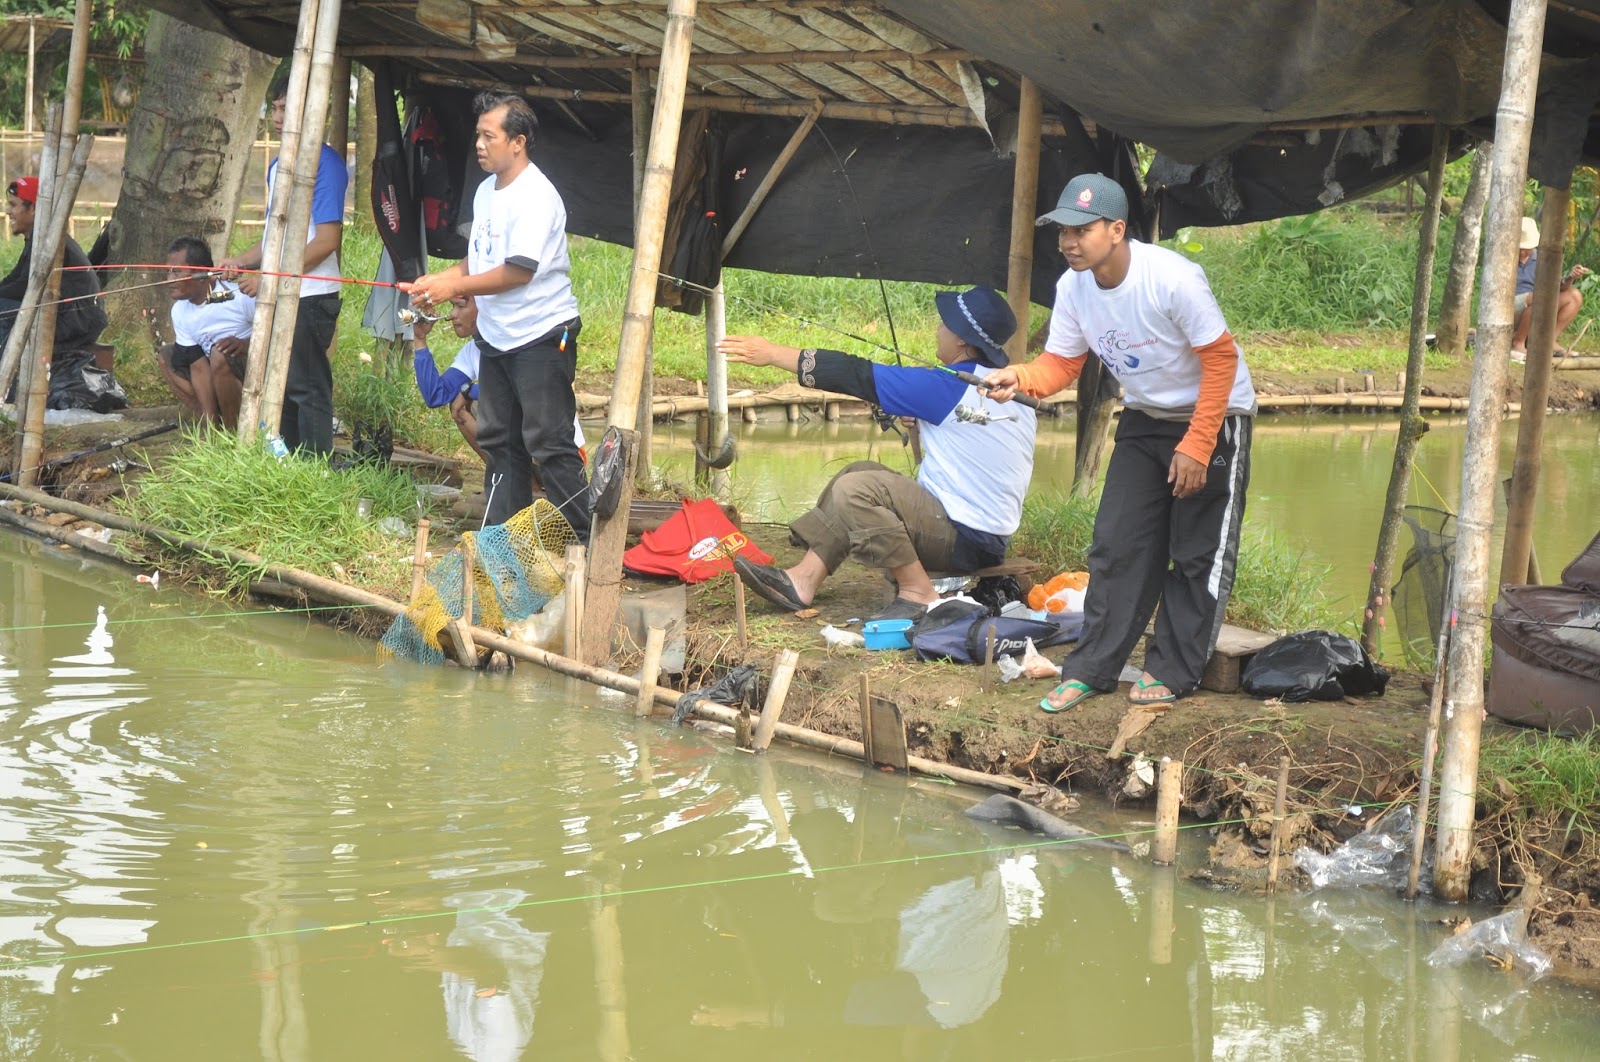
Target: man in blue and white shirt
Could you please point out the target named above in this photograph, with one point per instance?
(960, 511)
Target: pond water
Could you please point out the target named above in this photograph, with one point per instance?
(1318, 481)
(230, 835)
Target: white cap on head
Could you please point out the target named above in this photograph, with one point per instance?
(1530, 235)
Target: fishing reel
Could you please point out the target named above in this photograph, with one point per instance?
(219, 295)
(411, 315)
(975, 415)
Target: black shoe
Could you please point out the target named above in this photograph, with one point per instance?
(769, 583)
(902, 608)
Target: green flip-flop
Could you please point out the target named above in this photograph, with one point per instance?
(1143, 685)
(1081, 691)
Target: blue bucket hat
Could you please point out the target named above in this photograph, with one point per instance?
(981, 318)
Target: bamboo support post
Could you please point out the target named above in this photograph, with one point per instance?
(333, 592)
(1458, 773)
(297, 218)
(1430, 747)
(1024, 209)
(770, 179)
(419, 560)
(602, 577)
(638, 319)
(642, 105)
(1169, 800)
(274, 237)
(1518, 544)
(46, 250)
(1279, 804)
(741, 626)
(1412, 426)
(717, 388)
(339, 105)
(573, 620)
(651, 671)
(30, 445)
(1163, 900)
(777, 693)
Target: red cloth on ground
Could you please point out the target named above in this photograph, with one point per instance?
(687, 544)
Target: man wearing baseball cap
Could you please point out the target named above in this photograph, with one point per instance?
(1168, 527)
(1569, 300)
(80, 318)
(959, 513)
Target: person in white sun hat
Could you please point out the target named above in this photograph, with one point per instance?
(1568, 301)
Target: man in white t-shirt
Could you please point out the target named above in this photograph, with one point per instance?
(211, 322)
(517, 267)
(307, 419)
(1168, 527)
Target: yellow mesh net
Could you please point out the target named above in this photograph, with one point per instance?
(517, 568)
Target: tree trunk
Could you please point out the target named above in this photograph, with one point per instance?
(1456, 312)
(188, 147)
(366, 144)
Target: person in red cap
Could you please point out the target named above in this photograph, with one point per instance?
(81, 318)
(1167, 531)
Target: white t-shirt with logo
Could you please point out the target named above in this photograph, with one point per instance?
(1146, 331)
(524, 223)
(202, 325)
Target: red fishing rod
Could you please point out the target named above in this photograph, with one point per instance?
(217, 272)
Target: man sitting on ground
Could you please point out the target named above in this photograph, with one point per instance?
(211, 321)
(960, 511)
(457, 386)
(80, 318)
(1569, 300)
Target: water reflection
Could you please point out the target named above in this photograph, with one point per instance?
(274, 848)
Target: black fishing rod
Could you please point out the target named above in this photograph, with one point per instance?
(101, 448)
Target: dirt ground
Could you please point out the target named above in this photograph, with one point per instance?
(1359, 751)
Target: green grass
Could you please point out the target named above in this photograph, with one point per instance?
(1550, 776)
(298, 513)
(1277, 588)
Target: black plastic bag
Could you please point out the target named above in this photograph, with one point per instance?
(1313, 666)
(76, 382)
(737, 687)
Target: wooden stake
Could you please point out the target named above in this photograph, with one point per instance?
(466, 651)
(987, 680)
(1535, 388)
(1278, 806)
(638, 319)
(574, 576)
(1412, 426)
(298, 215)
(777, 693)
(864, 702)
(1169, 800)
(273, 239)
(654, 641)
(419, 561)
(1458, 775)
(1024, 209)
(740, 626)
(1163, 889)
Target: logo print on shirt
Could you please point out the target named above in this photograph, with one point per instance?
(1114, 351)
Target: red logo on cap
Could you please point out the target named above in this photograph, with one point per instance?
(1085, 196)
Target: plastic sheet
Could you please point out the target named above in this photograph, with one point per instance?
(1379, 855)
(1501, 941)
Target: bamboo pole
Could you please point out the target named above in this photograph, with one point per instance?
(1430, 748)
(1412, 425)
(297, 219)
(1169, 801)
(623, 62)
(573, 618)
(1456, 312)
(770, 178)
(741, 626)
(339, 107)
(30, 445)
(276, 235)
(330, 591)
(777, 693)
(716, 391)
(1458, 774)
(1518, 545)
(638, 320)
(643, 104)
(27, 107)
(419, 560)
(1024, 209)
(1279, 805)
(655, 640)
(1163, 901)
(864, 702)
(46, 238)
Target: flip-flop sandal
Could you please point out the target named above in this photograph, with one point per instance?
(769, 583)
(1081, 691)
(1140, 702)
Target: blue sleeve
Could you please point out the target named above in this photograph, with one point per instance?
(927, 394)
(327, 198)
(438, 389)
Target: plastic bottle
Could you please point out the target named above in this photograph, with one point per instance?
(276, 447)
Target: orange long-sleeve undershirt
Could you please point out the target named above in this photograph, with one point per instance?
(1219, 364)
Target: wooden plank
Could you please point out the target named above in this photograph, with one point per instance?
(888, 735)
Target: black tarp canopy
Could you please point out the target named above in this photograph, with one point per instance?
(1256, 108)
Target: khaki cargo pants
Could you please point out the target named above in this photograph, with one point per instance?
(879, 517)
